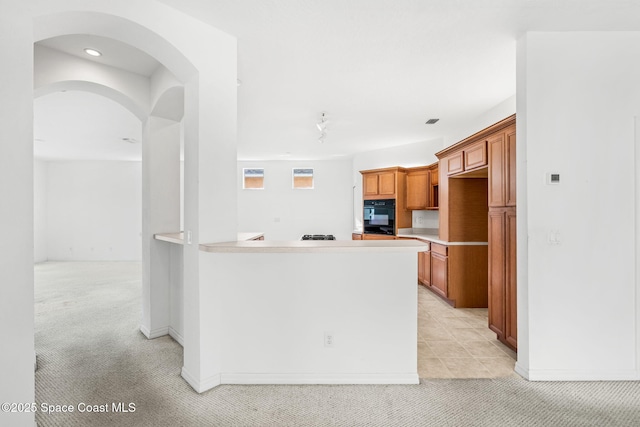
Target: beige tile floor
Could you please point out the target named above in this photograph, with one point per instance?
(457, 343)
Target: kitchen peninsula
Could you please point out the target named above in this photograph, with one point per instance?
(308, 312)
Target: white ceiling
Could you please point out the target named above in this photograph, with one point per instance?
(379, 68)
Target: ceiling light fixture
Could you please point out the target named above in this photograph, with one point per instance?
(431, 121)
(322, 126)
(92, 52)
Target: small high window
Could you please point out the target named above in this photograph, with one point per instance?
(303, 178)
(253, 178)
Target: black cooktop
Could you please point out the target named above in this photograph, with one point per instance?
(318, 237)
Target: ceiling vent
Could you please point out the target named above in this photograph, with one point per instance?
(431, 121)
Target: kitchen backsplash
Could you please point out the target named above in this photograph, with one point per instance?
(425, 219)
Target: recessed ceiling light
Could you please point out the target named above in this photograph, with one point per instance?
(431, 121)
(92, 52)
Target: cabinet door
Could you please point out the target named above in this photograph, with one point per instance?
(475, 156)
(433, 189)
(417, 190)
(356, 236)
(454, 163)
(426, 268)
(387, 183)
(370, 184)
(497, 271)
(511, 324)
(439, 273)
(510, 163)
(497, 172)
(420, 267)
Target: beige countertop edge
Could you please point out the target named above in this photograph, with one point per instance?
(435, 239)
(295, 246)
(432, 238)
(179, 238)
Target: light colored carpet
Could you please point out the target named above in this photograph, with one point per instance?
(90, 351)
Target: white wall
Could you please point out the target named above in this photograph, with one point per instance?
(408, 155)
(371, 313)
(93, 210)
(578, 94)
(16, 214)
(40, 210)
(283, 213)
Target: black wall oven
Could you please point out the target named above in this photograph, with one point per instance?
(380, 216)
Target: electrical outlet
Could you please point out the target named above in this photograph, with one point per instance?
(328, 339)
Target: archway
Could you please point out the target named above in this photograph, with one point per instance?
(209, 81)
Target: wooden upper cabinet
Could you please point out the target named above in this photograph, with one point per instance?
(387, 183)
(502, 168)
(422, 188)
(370, 184)
(475, 156)
(418, 188)
(454, 163)
(497, 170)
(379, 184)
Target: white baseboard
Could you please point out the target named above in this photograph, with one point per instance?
(523, 372)
(400, 378)
(580, 375)
(156, 333)
(200, 386)
(176, 336)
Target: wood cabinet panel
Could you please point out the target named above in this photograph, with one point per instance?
(497, 170)
(502, 275)
(475, 156)
(502, 168)
(356, 236)
(439, 273)
(387, 183)
(370, 184)
(454, 163)
(510, 186)
(418, 189)
(511, 298)
(377, 237)
(424, 268)
(497, 271)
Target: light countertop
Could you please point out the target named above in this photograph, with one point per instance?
(428, 234)
(293, 246)
(179, 237)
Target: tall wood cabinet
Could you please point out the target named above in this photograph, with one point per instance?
(387, 183)
(502, 235)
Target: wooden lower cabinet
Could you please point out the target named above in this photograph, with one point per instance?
(356, 236)
(439, 274)
(502, 275)
(377, 237)
(424, 268)
(457, 273)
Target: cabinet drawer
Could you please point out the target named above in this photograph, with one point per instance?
(439, 249)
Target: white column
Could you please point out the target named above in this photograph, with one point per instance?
(210, 209)
(160, 214)
(16, 211)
